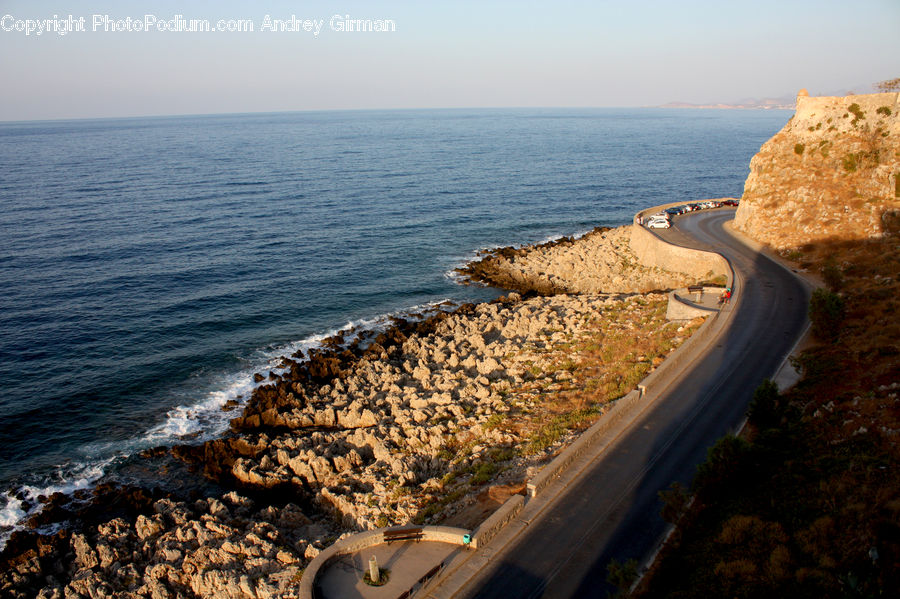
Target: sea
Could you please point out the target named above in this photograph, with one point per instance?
(150, 266)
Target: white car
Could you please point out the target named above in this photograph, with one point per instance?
(658, 223)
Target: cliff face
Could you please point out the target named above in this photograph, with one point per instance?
(832, 173)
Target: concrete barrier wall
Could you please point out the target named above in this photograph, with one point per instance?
(495, 523)
(626, 406)
(369, 538)
(549, 472)
(651, 250)
(680, 308)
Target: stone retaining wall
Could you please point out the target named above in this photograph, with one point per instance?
(488, 529)
(584, 442)
(682, 308)
(651, 250)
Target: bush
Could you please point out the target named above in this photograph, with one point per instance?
(622, 576)
(723, 465)
(826, 313)
(850, 162)
(764, 411)
(833, 275)
(675, 500)
(884, 110)
(858, 114)
(798, 149)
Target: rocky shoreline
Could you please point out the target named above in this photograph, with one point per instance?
(601, 261)
(411, 426)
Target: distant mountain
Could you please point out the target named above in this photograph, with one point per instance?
(786, 102)
(782, 103)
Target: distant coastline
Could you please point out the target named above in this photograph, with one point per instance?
(768, 104)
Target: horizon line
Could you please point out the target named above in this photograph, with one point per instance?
(686, 106)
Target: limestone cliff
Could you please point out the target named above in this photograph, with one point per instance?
(832, 172)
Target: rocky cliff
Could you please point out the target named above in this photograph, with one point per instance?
(832, 172)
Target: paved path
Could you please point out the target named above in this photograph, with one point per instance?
(407, 561)
(612, 510)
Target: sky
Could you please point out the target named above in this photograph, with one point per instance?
(435, 54)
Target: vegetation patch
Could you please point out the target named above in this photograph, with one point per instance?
(857, 113)
(383, 577)
(850, 162)
(568, 385)
(804, 503)
(798, 149)
(826, 313)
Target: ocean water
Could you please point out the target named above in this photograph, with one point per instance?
(148, 267)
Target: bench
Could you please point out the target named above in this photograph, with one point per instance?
(402, 534)
(698, 289)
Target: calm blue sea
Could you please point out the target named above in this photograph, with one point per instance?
(149, 266)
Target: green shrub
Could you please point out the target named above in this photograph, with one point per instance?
(483, 472)
(884, 110)
(833, 275)
(826, 313)
(723, 465)
(851, 161)
(764, 411)
(798, 149)
(897, 185)
(858, 114)
(675, 500)
(813, 365)
(621, 576)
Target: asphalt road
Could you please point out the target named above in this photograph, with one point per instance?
(612, 511)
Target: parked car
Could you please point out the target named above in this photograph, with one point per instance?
(658, 223)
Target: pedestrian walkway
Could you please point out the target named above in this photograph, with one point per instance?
(690, 302)
(411, 555)
(410, 564)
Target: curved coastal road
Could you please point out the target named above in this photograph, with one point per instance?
(612, 510)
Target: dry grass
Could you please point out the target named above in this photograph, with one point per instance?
(571, 382)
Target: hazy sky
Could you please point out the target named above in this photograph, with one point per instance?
(443, 53)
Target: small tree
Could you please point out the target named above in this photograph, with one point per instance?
(826, 313)
(723, 465)
(833, 275)
(764, 411)
(891, 85)
(622, 576)
(675, 500)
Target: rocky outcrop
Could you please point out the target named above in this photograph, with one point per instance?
(225, 547)
(832, 173)
(370, 444)
(385, 421)
(601, 261)
(371, 429)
